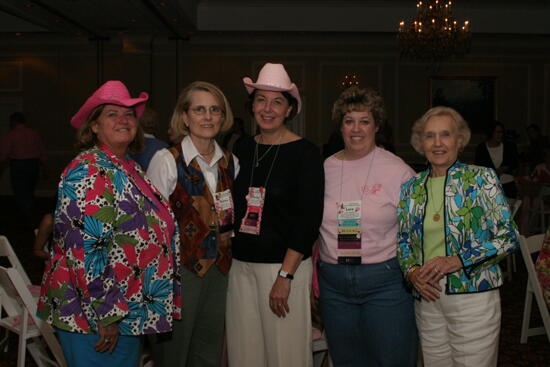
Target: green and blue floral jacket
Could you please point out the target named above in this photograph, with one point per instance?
(478, 226)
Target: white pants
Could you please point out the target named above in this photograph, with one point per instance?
(256, 337)
(460, 330)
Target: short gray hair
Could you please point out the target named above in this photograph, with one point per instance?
(461, 125)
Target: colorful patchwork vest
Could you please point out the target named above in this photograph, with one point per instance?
(196, 214)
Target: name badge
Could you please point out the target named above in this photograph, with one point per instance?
(252, 220)
(349, 232)
(223, 202)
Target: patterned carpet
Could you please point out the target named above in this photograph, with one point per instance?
(536, 353)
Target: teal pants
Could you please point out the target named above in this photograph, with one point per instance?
(79, 350)
(196, 340)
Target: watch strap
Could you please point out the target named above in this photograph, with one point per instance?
(284, 274)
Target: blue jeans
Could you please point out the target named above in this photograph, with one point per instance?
(368, 315)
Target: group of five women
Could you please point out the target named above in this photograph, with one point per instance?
(224, 241)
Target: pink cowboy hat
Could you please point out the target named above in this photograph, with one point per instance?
(274, 77)
(112, 92)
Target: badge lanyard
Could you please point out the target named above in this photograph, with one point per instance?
(255, 199)
(348, 219)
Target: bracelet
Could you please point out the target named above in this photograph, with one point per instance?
(412, 269)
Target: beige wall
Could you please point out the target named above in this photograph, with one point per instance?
(55, 76)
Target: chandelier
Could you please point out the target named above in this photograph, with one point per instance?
(434, 34)
(349, 80)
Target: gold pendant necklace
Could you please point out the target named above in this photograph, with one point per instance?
(436, 217)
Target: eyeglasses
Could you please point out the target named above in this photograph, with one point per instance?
(201, 110)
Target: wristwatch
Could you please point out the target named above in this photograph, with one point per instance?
(284, 274)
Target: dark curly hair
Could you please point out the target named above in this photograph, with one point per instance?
(360, 99)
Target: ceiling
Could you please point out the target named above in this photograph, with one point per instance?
(104, 19)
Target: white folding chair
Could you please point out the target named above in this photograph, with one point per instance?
(541, 207)
(7, 251)
(528, 246)
(511, 267)
(515, 204)
(10, 305)
(320, 351)
(15, 288)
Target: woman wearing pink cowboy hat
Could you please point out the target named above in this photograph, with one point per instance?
(278, 209)
(111, 274)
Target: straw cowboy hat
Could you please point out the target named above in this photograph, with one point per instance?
(274, 77)
(112, 92)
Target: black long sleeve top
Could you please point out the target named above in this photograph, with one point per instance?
(293, 207)
(510, 157)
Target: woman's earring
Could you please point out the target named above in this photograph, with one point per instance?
(288, 111)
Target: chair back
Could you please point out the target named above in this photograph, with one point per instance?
(7, 301)
(529, 246)
(533, 244)
(515, 204)
(16, 288)
(7, 251)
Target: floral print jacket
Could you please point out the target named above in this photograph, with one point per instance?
(116, 250)
(478, 226)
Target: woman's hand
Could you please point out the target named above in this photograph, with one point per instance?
(278, 297)
(108, 337)
(428, 291)
(436, 268)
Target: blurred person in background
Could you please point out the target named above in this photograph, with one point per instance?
(24, 150)
(148, 122)
(500, 155)
(236, 134)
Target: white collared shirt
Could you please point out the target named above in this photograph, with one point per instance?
(164, 174)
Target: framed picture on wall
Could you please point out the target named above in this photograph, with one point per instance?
(473, 97)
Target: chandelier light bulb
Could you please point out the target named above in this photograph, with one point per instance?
(433, 33)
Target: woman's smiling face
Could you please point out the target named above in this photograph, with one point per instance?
(116, 127)
(270, 109)
(359, 132)
(440, 142)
